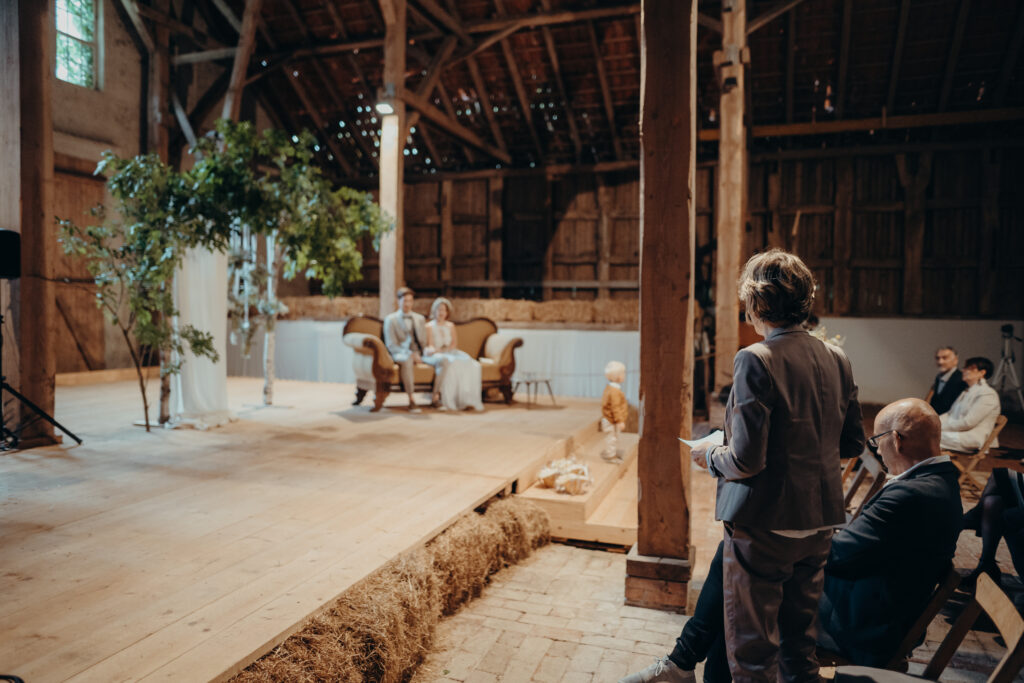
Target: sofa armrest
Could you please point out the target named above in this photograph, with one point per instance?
(499, 348)
(370, 345)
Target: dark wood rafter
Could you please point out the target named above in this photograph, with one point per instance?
(423, 58)
(844, 58)
(556, 69)
(339, 26)
(131, 8)
(204, 56)
(437, 64)
(954, 53)
(709, 22)
(490, 40)
(229, 14)
(766, 18)
(897, 55)
(449, 109)
(438, 118)
(517, 82)
(198, 37)
(1010, 59)
(246, 42)
(485, 103)
(606, 93)
(449, 21)
(328, 83)
(181, 116)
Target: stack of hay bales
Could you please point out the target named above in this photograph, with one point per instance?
(381, 628)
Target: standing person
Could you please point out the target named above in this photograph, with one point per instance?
(405, 335)
(949, 383)
(792, 413)
(974, 413)
(614, 410)
(457, 377)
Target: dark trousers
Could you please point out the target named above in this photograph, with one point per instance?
(771, 588)
(703, 635)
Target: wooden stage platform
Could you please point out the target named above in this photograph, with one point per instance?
(183, 554)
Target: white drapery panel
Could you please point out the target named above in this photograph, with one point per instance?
(199, 394)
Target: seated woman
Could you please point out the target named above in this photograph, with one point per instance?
(457, 379)
(999, 514)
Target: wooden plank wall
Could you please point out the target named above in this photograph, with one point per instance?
(577, 235)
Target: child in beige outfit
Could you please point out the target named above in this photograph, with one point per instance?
(614, 409)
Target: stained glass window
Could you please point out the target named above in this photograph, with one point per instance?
(76, 42)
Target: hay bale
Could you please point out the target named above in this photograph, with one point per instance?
(622, 311)
(467, 309)
(381, 628)
(507, 310)
(363, 305)
(564, 311)
(314, 308)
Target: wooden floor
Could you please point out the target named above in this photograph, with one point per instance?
(183, 554)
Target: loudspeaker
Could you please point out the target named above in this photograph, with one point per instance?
(10, 254)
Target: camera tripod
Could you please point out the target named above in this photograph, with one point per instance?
(1007, 370)
(9, 439)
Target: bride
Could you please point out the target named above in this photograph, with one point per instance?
(456, 374)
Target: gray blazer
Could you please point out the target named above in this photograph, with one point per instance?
(400, 343)
(792, 413)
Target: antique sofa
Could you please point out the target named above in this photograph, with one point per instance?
(374, 368)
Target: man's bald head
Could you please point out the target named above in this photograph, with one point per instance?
(918, 427)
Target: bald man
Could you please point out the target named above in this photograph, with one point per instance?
(881, 568)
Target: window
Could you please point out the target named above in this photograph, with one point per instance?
(76, 42)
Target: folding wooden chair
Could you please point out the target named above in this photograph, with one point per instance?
(869, 465)
(991, 600)
(966, 462)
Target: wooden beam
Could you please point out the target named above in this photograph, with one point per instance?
(954, 53)
(897, 55)
(988, 265)
(667, 190)
(428, 140)
(198, 37)
(606, 93)
(776, 238)
(842, 238)
(709, 22)
(438, 118)
(339, 26)
(437, 65)
(204, 56)
(447, 20)
(447, 236)
(485, 103)
(604, 234)
(449, 110)
(229, 14)
(495, 232)
(844, 58)
(246, 41)
(131, 8)
(765, 18)
(556, 68)
(517, 82)
(915, 183)
(182, 117)
(1010, 59)
(490, 40)
(790, 64)
(392, 165)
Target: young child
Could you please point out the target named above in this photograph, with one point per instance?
(614, 409)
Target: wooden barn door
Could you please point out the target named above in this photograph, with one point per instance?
(528, 233)
(78, 329)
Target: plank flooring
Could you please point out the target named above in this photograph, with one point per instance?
(185, 554)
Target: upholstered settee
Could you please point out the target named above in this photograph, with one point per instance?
(375, 369)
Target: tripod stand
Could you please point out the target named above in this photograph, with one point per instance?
(1007, 370)
(9, 439)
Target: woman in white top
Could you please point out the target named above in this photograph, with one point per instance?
(457, 380)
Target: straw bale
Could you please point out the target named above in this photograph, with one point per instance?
(564, 310)
(507, 310)
(314, 308)
(363, 305)
(467, 309)
(381, 628)
(617, 311)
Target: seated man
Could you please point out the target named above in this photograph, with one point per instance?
(949, 383)
(405, 334)
(973, 415)
(881, 569)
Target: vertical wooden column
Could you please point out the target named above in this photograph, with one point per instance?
(447, 237)
(551, 233)
(777, 234)
(38, 243)
(160, 116)
(392, 166)
(842, 236)
(731, 197)
(495, 217)
(604, 235)
(10, 189)
(658, 568)
(989, 228)
(915, 179)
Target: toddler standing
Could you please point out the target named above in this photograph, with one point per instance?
(614, 409)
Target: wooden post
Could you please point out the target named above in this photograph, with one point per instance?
(10, 190)
(38, 244)
(842, 236)
(246, 41)
(658, 568)
(777, 234)
(392, 166)
(731, 198)
(495, 215)
(987, 262)
(915, 183)
(604, 235)
(447, 237)
(548, 292)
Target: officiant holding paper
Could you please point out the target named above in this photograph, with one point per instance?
(791, 414)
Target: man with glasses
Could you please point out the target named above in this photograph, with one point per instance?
(881, 568)
(949, 383)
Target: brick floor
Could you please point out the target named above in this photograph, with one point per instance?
(559, 616)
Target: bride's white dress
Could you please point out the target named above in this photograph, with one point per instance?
(457, 374)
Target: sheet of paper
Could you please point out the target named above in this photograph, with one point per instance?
(715, 438)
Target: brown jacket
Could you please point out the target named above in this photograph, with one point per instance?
(613, 405)
(792, 413)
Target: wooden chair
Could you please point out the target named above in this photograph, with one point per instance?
(991, 600)
(943, 592)
(869, 465)
(966, 462)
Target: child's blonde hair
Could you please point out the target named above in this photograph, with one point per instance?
(615, 371)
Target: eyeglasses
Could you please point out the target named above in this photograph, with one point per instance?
(873, 441)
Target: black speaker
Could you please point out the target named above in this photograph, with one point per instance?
(10, 254)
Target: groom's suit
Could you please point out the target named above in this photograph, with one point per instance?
(405, 334)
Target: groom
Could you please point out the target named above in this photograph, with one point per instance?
(405, 335)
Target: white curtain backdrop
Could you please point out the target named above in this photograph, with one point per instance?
(199, 394)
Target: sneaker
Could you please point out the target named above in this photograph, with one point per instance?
(662, 670)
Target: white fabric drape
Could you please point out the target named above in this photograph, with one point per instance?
(199, 393)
